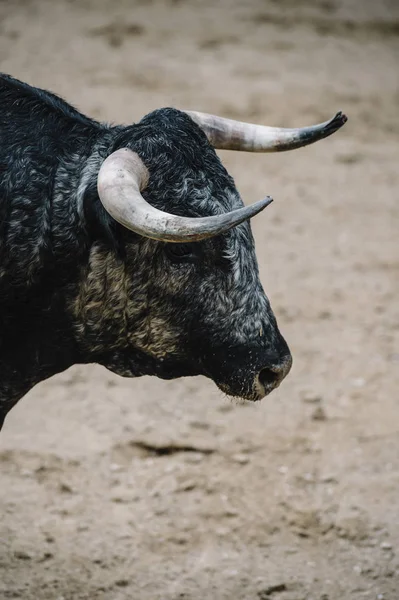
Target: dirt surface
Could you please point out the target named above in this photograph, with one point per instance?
(118, 489)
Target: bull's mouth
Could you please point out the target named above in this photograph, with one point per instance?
(255, 395)
(258, 386)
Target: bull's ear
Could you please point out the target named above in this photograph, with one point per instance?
(123, 176)
(227, 134)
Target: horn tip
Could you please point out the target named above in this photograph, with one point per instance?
(268, 200)
(339, 120)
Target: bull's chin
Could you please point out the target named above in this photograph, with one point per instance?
(253, 395)
(136, 363)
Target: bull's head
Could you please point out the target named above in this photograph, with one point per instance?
(185, 298)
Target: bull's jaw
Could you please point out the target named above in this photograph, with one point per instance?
(134, 362)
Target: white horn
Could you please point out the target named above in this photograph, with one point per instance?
(123, 176)
(227, 134)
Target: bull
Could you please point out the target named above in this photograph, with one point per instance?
(130, 246)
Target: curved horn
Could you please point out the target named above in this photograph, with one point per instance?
(122, 177)
(227, 134)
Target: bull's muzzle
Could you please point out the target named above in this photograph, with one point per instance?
(249, 371)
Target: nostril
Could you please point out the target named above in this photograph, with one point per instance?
(270, 375)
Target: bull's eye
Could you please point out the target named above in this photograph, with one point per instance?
(181, 252)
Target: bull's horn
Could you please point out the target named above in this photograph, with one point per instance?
(123, 176)
(227, 134)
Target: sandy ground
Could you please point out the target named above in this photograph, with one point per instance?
(118, 489)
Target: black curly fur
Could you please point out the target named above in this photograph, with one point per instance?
(75, 287)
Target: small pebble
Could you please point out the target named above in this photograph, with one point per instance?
(47, 556)
(329, 478)
(231, 512)
(115, 467)
(194, 457)
(222, 531)
(358, 382)
(311, 397)
(199, 424)
(242, 459)
(170, 467)
(22, 555)
(65, 488)
(122, 582)
(358, 569)
(49, 539)
(223, 408)
(319, 414)
(187, 486)
(386, 546)
(26, 473)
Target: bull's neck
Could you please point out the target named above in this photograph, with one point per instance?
(37, 330)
